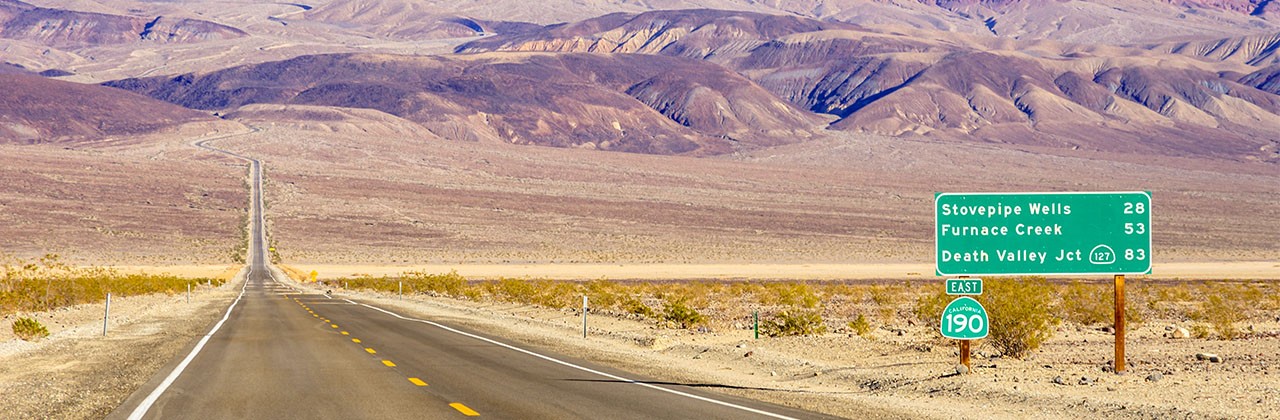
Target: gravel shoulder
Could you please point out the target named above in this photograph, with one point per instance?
(76, 373)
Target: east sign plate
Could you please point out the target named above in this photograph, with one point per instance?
(965, 319)
(1042, 233)
(964, 287)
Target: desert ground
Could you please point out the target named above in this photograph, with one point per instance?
(389, 200)
(149, 201)
(386, 199)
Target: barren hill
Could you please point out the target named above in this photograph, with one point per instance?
(34, 109)
(406, 20)
(633, 103)
(62, 27)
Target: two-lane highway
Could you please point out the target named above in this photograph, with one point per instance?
(283, 353)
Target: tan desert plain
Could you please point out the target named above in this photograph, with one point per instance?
(741, 192)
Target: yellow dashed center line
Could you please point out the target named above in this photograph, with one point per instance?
(417, 382)
(370, 350)
(466, 411)
(388, 363)
(346, 333)
(333, 325)
(355, 340)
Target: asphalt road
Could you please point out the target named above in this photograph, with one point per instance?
(282, 354)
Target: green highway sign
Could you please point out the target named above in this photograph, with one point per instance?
(1042, 233)
(964, 319)
(964, 287)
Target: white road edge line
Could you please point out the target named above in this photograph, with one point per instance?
(584, 369)
(146, 404)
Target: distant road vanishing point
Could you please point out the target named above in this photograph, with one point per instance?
(279, 352)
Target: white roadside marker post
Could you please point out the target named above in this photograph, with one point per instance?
(106, 315)
(584, 316)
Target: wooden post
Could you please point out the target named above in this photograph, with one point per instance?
(1120, 366)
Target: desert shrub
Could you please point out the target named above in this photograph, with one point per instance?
(1200, 331)
(29, 329)
(1273, 295)
(1222, 309)
(886, 298)
(557, 294)
(634, 306)
(860, 326)
(844, 293)
(515, 290)
(1088, 304)
(677, 311)
(790, 294)
(451, 283)
(795, 321)
(747, 290)
(1019, 312)
(1166, 300)
(381, 284)
(604, 294)
(47, 283)
(929, 306)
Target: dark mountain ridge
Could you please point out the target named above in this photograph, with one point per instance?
(632, 103)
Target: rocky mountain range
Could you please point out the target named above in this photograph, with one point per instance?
(1196, 78)
(1042, 93)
